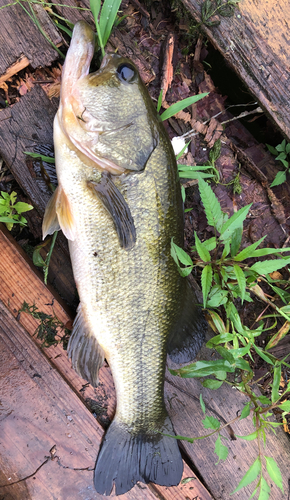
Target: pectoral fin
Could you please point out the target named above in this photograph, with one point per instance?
(58, 215)
(117, 207)
(86, 354)
(188, 333)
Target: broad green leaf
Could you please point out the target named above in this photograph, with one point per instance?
(276, 383)
(285, 406)
(226, 249)
(218, 322)
(179, 106)
(212, 384)
(234, 222)
(272, 150)
(242, 364)
(210, 202)
(226, 354)
(282, 156)
(22, 207)
(265, 490)
(241, 280)
(219, 298)
(5, 195)
(246, 411)
(219, 339)
(269, 251)
(241, 351)
(37, 258)
(220, 449)
(247, 252)
(8, 220)
(220, 375)
(282, 146)
(287, 149)
(248, 437)
(184, 271)
(263, 355)
(203, 369)
(279, 179)
(250, 475)
(264, 400)
(187, 480)
(202, 403)
(206, 279)
(211, 423)
(236, 240)
(268, 266)
(179, 255)
(274, 472)
(209, 244)
(201, 250)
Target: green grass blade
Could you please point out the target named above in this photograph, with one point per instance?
(179, 106)
(234, 222)
(276, 383)
(107, 18)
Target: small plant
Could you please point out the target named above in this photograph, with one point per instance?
(50, 328)
(10, 212)
(225, 277)
(282, 153)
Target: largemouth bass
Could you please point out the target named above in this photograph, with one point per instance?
(119, 204)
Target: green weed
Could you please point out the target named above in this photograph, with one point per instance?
(226, 275)
(49, 329)
(10, 212)
(282, 153)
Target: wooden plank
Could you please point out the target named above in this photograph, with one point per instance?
(19, 283)
(255, 42)
(221, 479)
(39, 413)
(27, 44)
(24, 126)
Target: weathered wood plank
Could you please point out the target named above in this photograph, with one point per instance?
(256, 43)
(27, 44)
(19, 283)
(23, 126)
(221, 479)
(39, 413)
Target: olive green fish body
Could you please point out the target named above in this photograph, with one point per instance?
(113, 157)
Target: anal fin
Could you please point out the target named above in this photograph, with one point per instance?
(86, 354)
(117, 207)
(188, 333)
(58, 215)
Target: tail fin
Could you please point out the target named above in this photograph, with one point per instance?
(127, 457)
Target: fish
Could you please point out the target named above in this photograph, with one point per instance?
(119, 204)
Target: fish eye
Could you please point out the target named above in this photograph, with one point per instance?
(126, 73)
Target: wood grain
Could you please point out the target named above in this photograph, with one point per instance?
(19, 37)
(256, 43)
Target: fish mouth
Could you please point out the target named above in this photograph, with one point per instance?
(78, 58)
